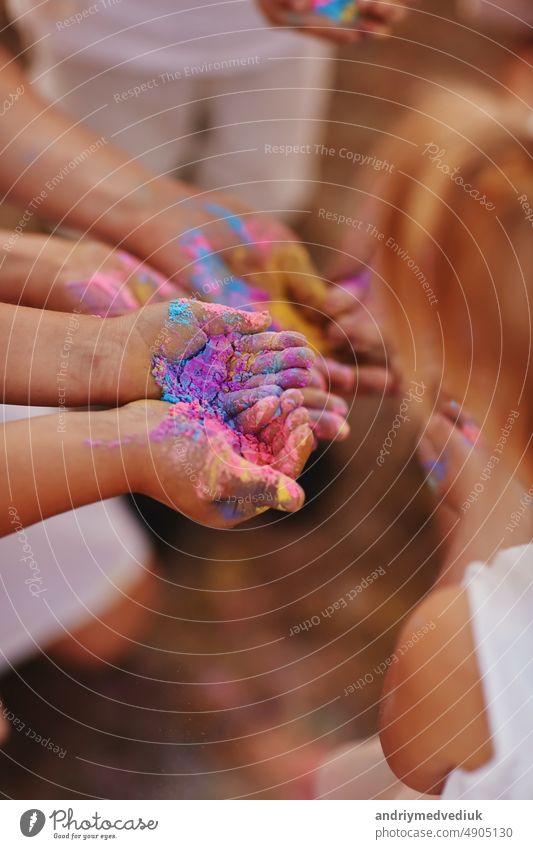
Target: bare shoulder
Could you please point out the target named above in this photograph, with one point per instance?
(433, 716)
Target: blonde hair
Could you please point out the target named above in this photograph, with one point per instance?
(455, 256)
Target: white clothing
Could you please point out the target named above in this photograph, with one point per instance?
(58, 574)
(500, 596)
(152, 77)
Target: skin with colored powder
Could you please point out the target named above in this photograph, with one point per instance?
(437, 467)
(235, 385)
(286, 267)
(343, 11)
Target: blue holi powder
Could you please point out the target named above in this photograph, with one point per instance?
(212, 277)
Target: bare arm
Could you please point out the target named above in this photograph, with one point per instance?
(49, 467)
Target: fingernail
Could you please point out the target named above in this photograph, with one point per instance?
(290, 496)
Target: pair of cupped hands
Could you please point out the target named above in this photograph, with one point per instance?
(286, 401)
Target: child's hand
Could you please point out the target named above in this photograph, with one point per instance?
(337, 20)
(86, 276)
(196, 466)
(333, 316)
(476, 495)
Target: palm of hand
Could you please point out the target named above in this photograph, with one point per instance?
(234, 385)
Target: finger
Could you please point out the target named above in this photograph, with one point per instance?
(237, 402)
(339, 300)
(318, 399)
(276, 361)
(276, 10)
(434, 447)
(296, 451)
(219, 319)
(256, 417)
(328, 426)
(269, 342)
(293, 378)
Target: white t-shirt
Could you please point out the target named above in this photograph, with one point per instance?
(159, 36)
(501, 607)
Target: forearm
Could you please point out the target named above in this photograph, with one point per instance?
(58, 359)
(64, 171)
(49, 465)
